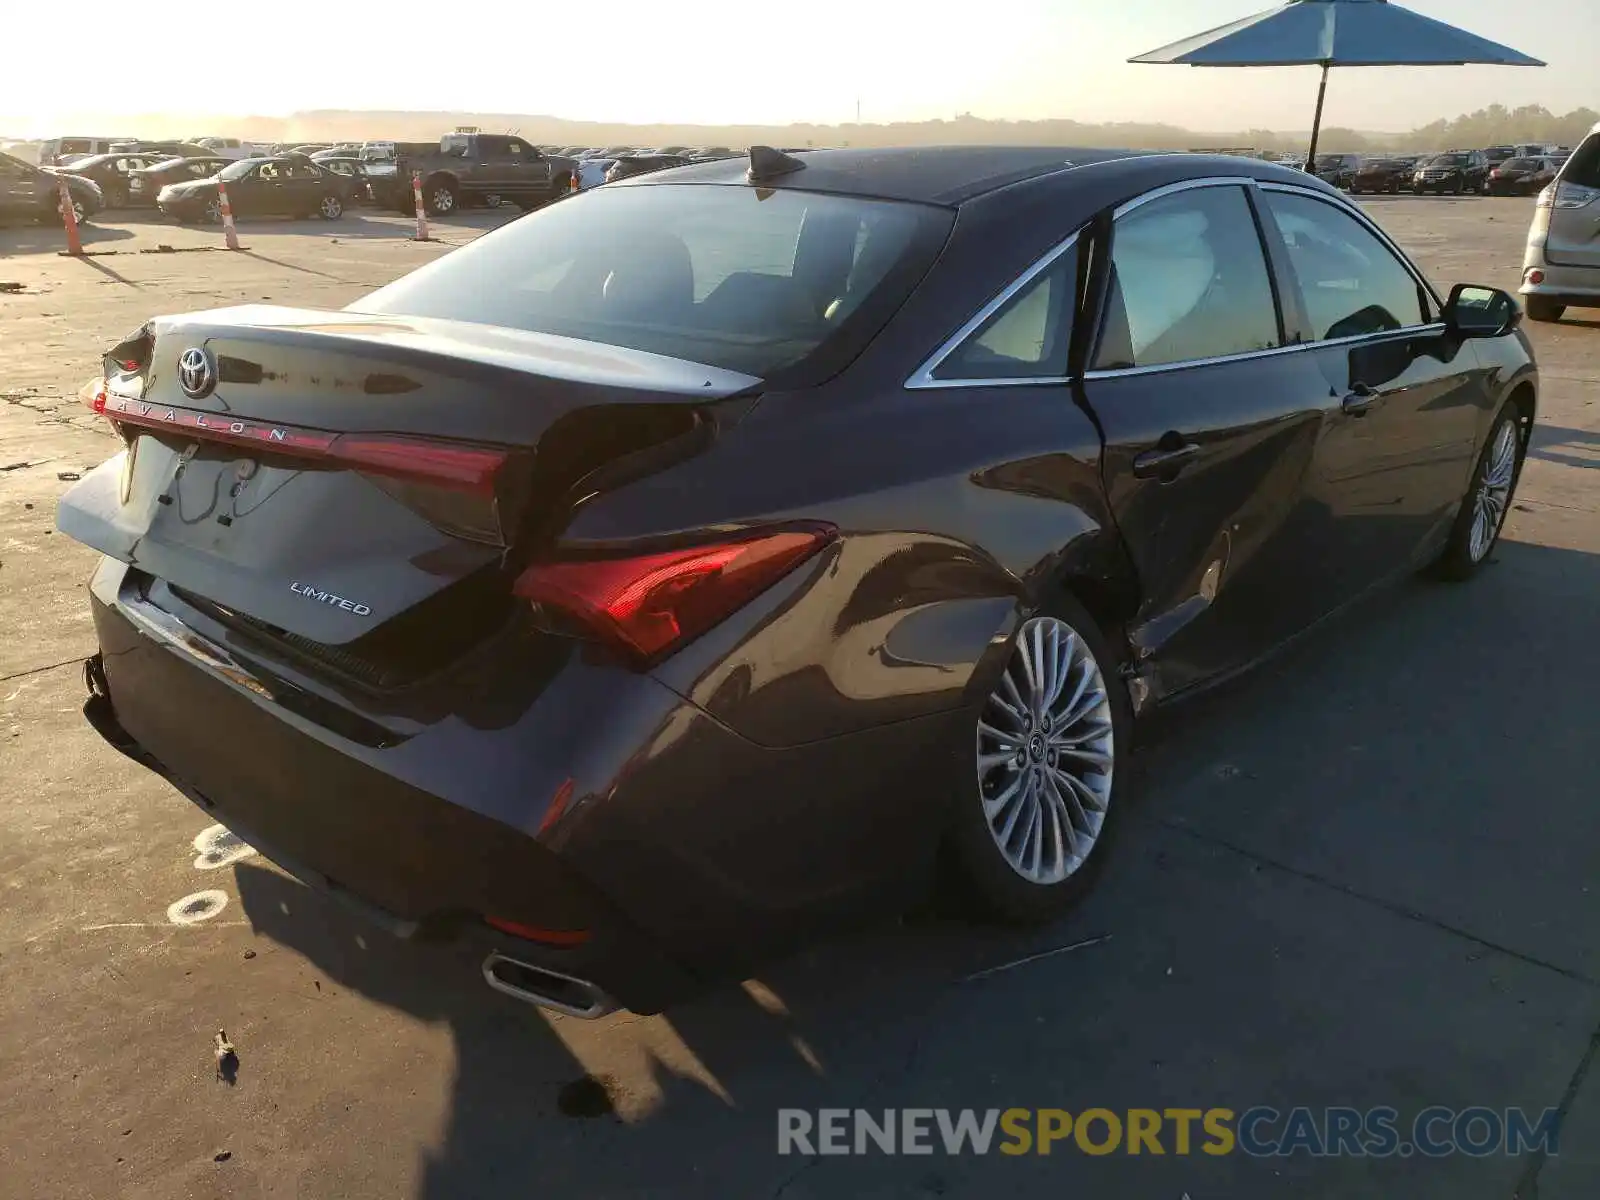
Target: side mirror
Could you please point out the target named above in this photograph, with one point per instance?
(1481, 312)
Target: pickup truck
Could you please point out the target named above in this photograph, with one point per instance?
(478, 168)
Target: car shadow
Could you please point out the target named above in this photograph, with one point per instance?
(1555, 443)
(716, 1064)
(31, 238)
(1265, 764)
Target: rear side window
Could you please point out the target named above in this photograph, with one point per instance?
(752, 280)
(1583, 168)
(1350, 281)
(1189, 281)
(1027, 337)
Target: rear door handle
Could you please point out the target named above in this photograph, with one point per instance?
(1164, 460)
(1359, 400)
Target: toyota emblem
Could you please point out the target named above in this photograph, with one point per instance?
(197, 373)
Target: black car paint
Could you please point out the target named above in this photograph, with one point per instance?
(255, 197)
(786, 770)
(1434, 175)
(34, 193)
(113, 172)
(144, 186)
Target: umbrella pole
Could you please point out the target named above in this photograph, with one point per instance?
(1316, 121)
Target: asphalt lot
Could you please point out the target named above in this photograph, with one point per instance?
(1365, 876)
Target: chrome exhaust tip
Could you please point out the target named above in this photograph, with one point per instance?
(546, 988)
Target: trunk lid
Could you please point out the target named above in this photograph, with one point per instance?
(335, 479)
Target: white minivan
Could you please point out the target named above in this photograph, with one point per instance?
(1561, 268)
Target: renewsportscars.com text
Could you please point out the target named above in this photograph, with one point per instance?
(1261, 1131)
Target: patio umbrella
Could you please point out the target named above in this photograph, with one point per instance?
(1336, 33)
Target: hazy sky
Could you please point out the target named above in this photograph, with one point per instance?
(727, 61)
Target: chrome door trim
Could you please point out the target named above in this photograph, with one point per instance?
(1345, 206)
(923, 377)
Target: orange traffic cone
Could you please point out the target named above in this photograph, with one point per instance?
(69, 218)
(229, 233)
(422, 217)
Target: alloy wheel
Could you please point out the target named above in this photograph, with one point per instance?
(1045, 753)
(1493, 494)
(331, 207)
(443, 200)
(213, 212)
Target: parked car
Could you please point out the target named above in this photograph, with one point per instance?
(378, 161)
(1521, 176)
(289, 186)
(1381, 175)
(1338, 169)
(1454, 172)
(690, 582)
(113, 173)
(231, 148)
(1495, 155)
(480, 168)
(354, 171)
(642, 164)
(55, 151)
(34, 193)
(165, 149)
(1561, 268)
(592, 172)
(145, 185)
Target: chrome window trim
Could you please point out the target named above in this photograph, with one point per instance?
(923, 377)
(1345, 206)
(1433, 330)
(1183, 185)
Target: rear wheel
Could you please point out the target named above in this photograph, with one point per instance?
(331, 208)
(1483, 512)
(1030, 826)
(213, 212)
(1542, 308)
(492, 200)
(439, 198)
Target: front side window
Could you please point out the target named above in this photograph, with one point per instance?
(750, 280)
(1188, 281)
(1028, 337)
(1351, 283)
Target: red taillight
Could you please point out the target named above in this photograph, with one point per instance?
(1536, 277)
(649, 602)
(93, 395)
(550, 937)
(472, 468)
(446, 464)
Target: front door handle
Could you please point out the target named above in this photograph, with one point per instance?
(1166, 460)
(1359, 400)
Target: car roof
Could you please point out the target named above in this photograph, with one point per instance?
(950, 175)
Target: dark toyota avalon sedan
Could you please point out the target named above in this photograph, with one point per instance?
(684, 568)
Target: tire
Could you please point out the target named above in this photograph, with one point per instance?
(492, 200)
(990, 843)
(79, 209)
(212, 213)
(116, 196)
(1488, 500)
(440, 197)
(330, 207)
(1543, 308)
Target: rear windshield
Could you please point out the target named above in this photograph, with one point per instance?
(1584, 166)
(760, 281)
(1523, 164)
